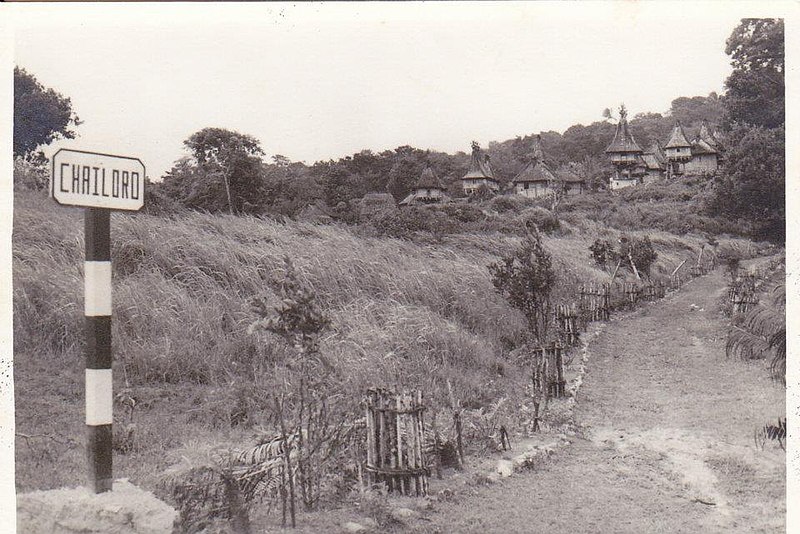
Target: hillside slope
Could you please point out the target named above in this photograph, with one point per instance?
(408, 313)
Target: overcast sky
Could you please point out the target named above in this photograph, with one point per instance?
(318, 82)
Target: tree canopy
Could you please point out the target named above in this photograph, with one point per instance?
(752, 185)
(755, 88)
(41, 115)
(224, 174)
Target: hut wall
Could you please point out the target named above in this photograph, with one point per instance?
(702, 163)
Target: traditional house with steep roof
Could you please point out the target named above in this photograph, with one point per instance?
(705, 158)
(707, 135)
(705, 153)
(678, 151)
(700, 156)
(536, 179)
(570, 181)
(479, 173)
(625, 154)
(655, 163)
(427, 190)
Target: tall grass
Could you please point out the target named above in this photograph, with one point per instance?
(403, 312)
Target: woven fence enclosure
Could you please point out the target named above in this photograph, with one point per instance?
(395, 441)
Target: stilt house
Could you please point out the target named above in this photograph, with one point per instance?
(625, 154)
(479, 173)
(427, 190)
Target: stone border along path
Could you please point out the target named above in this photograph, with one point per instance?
(663, 436)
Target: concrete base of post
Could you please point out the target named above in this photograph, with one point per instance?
(125, 510)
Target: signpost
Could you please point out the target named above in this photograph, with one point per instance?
(100, 183)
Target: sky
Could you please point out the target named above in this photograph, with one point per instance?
(315, 82)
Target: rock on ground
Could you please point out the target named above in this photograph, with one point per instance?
(125, 510)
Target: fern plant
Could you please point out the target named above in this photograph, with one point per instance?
(761, 333)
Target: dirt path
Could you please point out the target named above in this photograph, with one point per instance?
(667, 424)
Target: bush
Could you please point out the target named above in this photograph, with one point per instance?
(526, 277)
(640, 251)
(462, 212)
(515, 203)
(482, 194)
(30, 174)
(409, 221)
(544, 220)
(603, 252)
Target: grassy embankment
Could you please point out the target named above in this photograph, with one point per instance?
(411, 313)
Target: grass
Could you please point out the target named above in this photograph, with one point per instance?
(404, 313)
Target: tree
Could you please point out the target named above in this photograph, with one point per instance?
(340, 185)
(755, 88)
(41, 115)
(752, 184)
(408, 165)
(526, 278)
(234, 159)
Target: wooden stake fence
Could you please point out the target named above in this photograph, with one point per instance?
(567, 323)
(395, 441)
(742, 294)
(632, 293)
(549, 364)
(653, 291)
(595, 302)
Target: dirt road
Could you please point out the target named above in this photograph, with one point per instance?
(667, 445)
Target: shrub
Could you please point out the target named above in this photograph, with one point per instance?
(30, 174)
(640, 251)
(603, 252)
(462, 212)
(544, 220)
(526, 278)
(513, 203)
(482, 194)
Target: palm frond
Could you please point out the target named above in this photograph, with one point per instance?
(761, 334)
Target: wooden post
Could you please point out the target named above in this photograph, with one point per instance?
(613, 276)
(456, 406)
(635, 270)
(678, 267)
(97, 310)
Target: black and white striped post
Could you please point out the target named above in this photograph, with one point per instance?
(97, 308)
(100, 183)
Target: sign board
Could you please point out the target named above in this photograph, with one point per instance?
(94, 180)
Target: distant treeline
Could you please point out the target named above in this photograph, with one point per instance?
(281, 186)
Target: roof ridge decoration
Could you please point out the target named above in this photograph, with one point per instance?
(537, 152)
(479, 167)
(623, 141)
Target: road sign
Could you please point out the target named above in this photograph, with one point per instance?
(95, 180)
(100, 183)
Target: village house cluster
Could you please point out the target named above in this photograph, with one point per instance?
(632, 166)
(677, 157)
